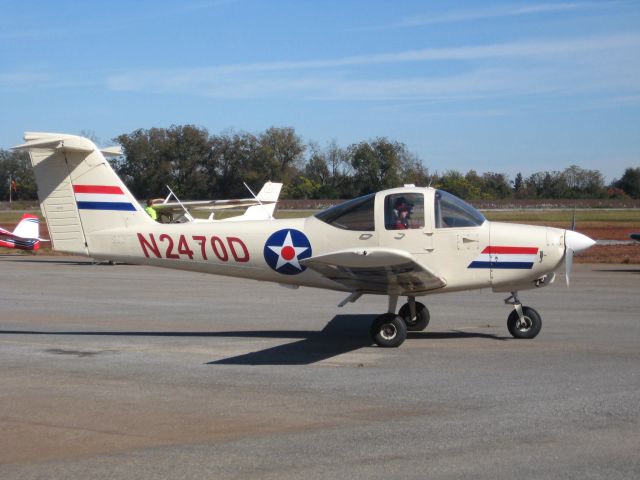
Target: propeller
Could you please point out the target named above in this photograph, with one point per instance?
(574, 242)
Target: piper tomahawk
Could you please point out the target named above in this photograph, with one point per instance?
(405, 242)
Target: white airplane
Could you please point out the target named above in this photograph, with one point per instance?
(26, 235)
(403, 242)
(260, 207)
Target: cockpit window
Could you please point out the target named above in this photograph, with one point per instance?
(451, 212)
(404, 211)
(356, 214)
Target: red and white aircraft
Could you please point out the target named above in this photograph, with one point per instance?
(403, 242)
(26, 235)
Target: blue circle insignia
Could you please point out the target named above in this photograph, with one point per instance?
(284, 249)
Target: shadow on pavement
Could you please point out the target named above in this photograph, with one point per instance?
(343, 334)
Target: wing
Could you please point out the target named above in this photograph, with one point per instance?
(205, 205)
(376, 270)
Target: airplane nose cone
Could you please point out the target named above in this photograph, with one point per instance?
(577, 241)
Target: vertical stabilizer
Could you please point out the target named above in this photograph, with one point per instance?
(28, 227)
(268, 198)
(78, 190)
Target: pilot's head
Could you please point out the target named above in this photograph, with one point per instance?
(401, 205)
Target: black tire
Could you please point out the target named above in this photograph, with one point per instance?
(531, 326)
(422, 317)
(388, 330)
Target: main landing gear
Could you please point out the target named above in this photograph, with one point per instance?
(523, 322)
(390, 330)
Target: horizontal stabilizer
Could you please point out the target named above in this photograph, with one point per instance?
(59, 142)
(64, 142)
(114, 151)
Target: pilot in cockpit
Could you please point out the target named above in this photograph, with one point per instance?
(402, 211)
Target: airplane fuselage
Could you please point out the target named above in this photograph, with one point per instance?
(495, 255)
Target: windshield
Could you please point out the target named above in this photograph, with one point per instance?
(452, 212)
(356, 214)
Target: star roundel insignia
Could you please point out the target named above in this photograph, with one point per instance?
(284, 249)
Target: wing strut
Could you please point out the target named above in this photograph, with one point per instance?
(354, 296)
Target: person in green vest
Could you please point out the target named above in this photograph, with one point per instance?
(151, 211)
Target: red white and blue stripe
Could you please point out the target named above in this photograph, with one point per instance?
(506, 258)
(101, 197)
(20, 243)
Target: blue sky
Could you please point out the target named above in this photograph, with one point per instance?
(493, 86)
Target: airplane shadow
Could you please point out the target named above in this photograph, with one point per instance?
(343, 334)
(60, 261)
(619, 270)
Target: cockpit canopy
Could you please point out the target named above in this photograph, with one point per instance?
(451, 212)
(402, 210)
(356, 214)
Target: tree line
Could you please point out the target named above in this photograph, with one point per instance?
(200, 165)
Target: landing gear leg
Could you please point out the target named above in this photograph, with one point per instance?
(390, 330)
(415, 315)
(393, 303)
(523, 322)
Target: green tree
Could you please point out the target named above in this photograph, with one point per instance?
(496, 185)
(17, 166)
(413, 170)
(377, 165)
(584, 183)
(178, 157)
(280, 155)
(303, 187)
(462, 186)
(630, 182)
(233, 157)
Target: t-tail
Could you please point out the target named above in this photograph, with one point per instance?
(267, 198)
(78, 190)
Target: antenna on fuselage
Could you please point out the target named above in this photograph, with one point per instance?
(186, 212)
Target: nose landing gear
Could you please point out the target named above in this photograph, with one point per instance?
(523, 322)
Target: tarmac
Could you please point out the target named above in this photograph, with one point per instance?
(121, 371)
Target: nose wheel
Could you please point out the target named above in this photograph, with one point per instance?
(523, 322)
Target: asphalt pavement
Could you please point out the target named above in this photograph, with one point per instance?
(120, 372)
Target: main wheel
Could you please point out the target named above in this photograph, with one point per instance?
(422, 317)
(388, 330)
(528, 327)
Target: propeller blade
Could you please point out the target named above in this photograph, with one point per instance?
(573, 220)
(568, 260)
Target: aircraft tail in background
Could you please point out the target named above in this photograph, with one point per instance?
(26, 235)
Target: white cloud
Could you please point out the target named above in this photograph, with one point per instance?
(528, 67)
(496, 11)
